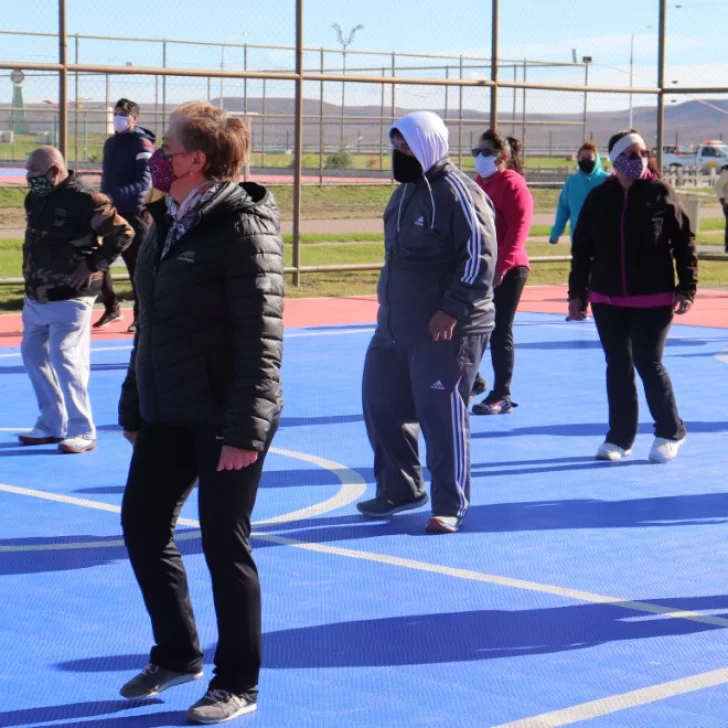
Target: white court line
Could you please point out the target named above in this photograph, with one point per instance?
(340, 332)
(352, 487)
(93, 351)
(616, 703)
(568, 716)
(470, 575)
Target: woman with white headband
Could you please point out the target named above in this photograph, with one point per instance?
(633, 235)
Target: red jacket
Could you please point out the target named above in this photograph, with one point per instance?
(513, 204)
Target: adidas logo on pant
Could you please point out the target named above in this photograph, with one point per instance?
(438, 385)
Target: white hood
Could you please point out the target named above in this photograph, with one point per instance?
(426, 135)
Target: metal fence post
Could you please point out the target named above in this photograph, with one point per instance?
(298, 167)
(164, 83)
(494, 66)
(460, 119)
(322, 110)
(75, 121)
(661, 82)
(586, 100)
(62, 80)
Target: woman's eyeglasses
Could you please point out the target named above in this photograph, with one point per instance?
(485, 152)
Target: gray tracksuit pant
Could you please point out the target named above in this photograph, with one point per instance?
(425, 384)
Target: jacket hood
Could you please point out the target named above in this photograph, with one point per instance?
(597, 167)
(426, 135)
(141, 131)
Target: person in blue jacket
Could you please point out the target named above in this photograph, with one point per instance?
(126, 179)
(577, 187)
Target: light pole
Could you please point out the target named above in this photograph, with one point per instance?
(222, 64)
(345, 41)
(631, 68)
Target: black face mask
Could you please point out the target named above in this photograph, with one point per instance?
(587, 165)
(405, 168)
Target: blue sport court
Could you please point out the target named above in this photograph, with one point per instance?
(576, 593)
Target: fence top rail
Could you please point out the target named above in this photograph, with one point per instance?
(292, 76)
(292, 48)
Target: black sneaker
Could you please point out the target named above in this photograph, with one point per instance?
(383, 508)
(154, 679)
(217, 706)
(109, 316)
(132, 328)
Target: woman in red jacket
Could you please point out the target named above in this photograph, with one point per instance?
(500, 174)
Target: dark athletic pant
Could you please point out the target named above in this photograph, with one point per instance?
(421, 385)
(502, 350)
(166, 462)
(108, 295)
(635, 338)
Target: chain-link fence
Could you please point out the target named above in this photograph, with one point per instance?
(321, 115)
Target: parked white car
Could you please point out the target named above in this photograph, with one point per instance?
(708, 155)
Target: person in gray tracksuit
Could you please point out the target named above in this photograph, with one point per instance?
(435, 317)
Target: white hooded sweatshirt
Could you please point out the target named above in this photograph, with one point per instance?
(426, 135)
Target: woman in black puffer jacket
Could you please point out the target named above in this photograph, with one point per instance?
(202, 401)
(632, 237)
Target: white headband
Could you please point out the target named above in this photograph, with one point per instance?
(623, 144)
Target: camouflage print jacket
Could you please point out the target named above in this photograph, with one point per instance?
(72, 224)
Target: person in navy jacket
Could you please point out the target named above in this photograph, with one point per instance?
(126, 179)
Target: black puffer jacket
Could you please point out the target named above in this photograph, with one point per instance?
(632, 243)
(209, 344)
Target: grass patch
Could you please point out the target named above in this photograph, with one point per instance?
(12, 196)
(712, 223)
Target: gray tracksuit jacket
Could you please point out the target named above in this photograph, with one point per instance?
(441, 251)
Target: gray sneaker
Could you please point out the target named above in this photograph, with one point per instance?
(154, 679)
(217, 706)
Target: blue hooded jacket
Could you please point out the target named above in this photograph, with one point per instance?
(126, 178)
(572, 197)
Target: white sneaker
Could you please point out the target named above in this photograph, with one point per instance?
(665, 450)
(610, 451)
(38, 437)
(77, 445)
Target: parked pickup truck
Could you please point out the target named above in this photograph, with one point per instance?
(707, 156)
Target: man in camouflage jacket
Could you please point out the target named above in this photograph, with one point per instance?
(73, 234)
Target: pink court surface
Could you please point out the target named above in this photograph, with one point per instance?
(710, 310)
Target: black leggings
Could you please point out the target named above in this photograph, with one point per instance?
(502, 349)
(634, 338)
(167, 461)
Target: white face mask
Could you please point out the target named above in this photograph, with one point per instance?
(122, 123)
(486, 166)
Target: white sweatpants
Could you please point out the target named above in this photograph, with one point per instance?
(56, 353)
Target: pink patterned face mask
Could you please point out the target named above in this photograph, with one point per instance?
(160, 165)
(631, 167)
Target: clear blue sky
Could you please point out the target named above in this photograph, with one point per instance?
(536, 29)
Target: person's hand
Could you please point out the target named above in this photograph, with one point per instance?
(233, 458)
(681, 304)
(130, 436)
(442, 326)
(498, 279)
(576, 310)
(553, 241)
(81, 276)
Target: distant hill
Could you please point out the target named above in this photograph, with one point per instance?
(687, 123)
(691, 121)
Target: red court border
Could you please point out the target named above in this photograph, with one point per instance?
(710, 310)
